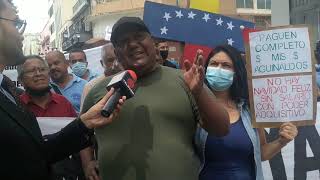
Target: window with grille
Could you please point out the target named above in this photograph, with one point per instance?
(245, 4)
(264, 4)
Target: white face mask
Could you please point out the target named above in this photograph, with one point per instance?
(79, 68)
(219, 79)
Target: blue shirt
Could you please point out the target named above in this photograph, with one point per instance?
(73, 91)
(175, 63)
(229, 157)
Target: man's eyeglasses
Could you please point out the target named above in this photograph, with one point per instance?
(34, 71)
(19, 24)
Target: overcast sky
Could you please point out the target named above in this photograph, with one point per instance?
(35, 12)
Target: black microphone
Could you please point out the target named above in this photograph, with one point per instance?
(123, 84)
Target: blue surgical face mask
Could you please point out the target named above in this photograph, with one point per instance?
(219, 79)
(79, 68)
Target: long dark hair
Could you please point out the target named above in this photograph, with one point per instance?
(239, 87)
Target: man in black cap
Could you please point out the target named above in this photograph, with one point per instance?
(153, 137)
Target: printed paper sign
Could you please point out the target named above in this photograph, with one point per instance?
(11, 72)
(287, 98)
(281, 77)
(50, 125)
(280, 51)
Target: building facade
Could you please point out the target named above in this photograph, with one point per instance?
(257, 11)
(51, 23)
(79, 30)
(63, 15)
(67, 23)
(73, 22)
(31, 44)
(307, 12)
(45, 34)
(106, 12)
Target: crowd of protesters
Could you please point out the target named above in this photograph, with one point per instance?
(52, 91)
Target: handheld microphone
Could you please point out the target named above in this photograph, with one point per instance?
(123, 84)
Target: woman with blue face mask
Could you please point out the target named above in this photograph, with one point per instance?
(238, 155)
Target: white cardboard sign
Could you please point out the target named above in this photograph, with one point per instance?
(280, 51)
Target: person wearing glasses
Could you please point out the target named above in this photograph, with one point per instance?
(79, 65)
(38, 98)
(26, 154)
(19, 24)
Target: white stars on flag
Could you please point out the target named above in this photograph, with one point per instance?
(194, 26)
(164, 30)
(230, 26)
(230, 41)
(219, 21)
(191, 15)
(179, 14)
(167, 16)
(206, 17)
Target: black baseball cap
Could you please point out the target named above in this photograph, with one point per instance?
(126, 25)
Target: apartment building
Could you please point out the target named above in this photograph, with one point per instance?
(31, 45)
(76, 30)
(45, 34)
(307, 12)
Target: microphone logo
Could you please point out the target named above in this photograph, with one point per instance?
(124, 84)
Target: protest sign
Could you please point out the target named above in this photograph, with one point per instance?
(299, 159)
(11, 72)
(93, 57)
(281, 77)
(50, 125)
